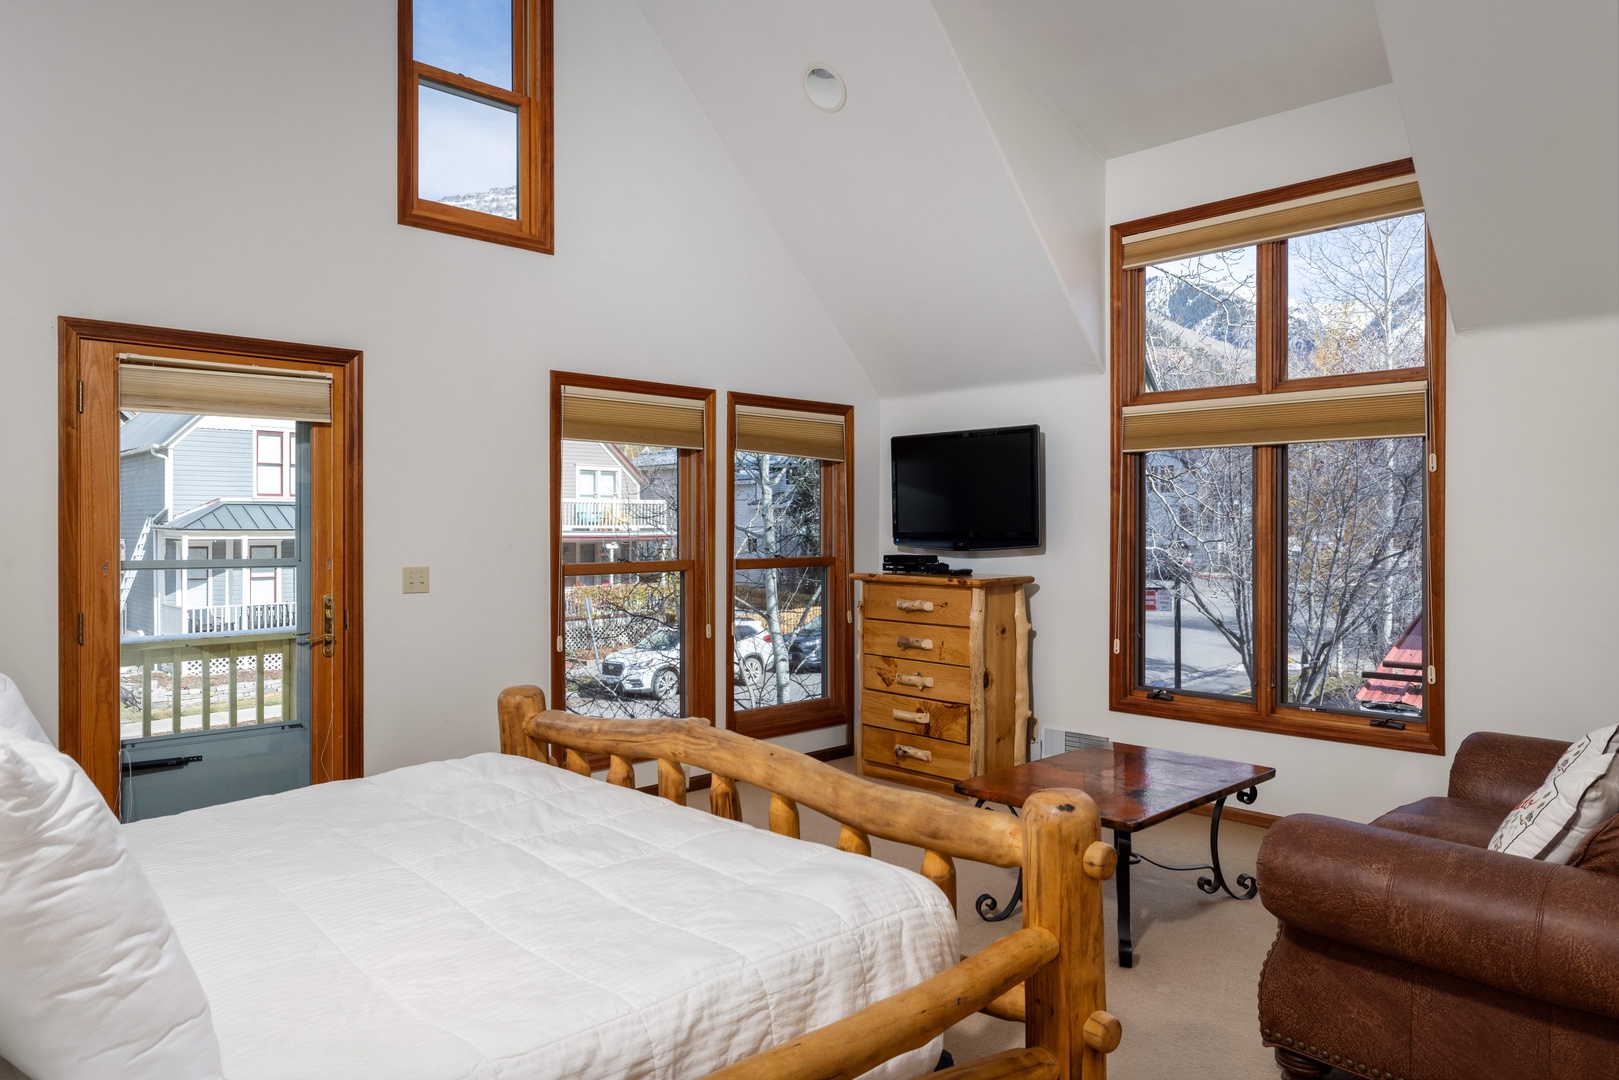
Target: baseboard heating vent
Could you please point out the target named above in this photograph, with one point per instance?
(1078, 740)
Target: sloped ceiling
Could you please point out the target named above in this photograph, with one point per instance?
(950, 215)
(1512, 110)
(901, 208)
(1132, 75)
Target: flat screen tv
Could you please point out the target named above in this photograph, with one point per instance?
(968, 490)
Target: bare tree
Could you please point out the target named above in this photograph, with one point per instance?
(1352, 511)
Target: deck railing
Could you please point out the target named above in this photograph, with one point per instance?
(199, 682)
(224, 618)
(637, 516)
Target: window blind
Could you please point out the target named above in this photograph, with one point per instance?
(1277, 221)
(1388, 410)
(622, 417)
(793, 432)
(156, 384)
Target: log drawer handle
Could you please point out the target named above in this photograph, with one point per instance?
(901, 752)
(911, 717)
(918, 680)
(914, 605)
(923, 643)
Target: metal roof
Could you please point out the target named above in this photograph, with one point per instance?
(236, 515)
(151, 429)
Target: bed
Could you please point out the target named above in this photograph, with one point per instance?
(508, 915)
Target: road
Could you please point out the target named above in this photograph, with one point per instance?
(1209, 664)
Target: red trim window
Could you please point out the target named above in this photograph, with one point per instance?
(270, 465)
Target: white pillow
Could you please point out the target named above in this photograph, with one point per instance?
(1580, 793)
(15, 715)
(93, 982)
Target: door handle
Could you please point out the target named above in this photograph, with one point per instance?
(160, 763)
(328, 639)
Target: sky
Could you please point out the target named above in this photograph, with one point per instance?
(465, 146)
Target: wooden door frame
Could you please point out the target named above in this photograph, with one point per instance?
(88, 624)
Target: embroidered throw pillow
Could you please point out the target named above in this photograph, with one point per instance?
(1580, 794)
(93, 982)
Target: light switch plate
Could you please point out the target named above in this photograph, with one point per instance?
(415, 579)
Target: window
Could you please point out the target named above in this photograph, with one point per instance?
(475, 119)
(1278, 378)
(269, 461)
(790, 492)
(637, 640)
(598, 484)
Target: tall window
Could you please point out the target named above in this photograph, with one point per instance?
(791, 492)
(1278, 384)
(475, 119)
(635, 639)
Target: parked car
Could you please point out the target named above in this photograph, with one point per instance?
(652, 665)
(754, 652)
(804, 646)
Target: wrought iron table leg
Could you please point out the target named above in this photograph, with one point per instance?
(988, 908)
(1246, 882)
(1121, 884)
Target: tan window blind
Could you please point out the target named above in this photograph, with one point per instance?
(793, 432)
(1386, 411)
(156, 384)
(622, 417)
(1349, 206)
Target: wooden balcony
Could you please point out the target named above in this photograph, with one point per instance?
(603, 518)
(200, 682)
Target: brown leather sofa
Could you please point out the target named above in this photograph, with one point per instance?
(1409, 951)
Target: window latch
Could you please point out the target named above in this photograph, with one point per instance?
(1386, 722)
(1160, 695)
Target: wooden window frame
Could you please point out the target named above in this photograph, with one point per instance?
(837, 543)
(1266, 712)
(530, 96)
(695, 534)
(88, 623)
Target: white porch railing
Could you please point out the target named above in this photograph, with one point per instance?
(224, 618)
(171, 684)
(648, 516)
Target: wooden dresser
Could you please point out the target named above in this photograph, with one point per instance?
(944, 677)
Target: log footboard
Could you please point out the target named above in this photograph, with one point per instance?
(1049, 974)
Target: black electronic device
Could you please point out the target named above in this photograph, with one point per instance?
(969, 490)
(894, 564)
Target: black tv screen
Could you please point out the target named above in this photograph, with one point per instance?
(968, 490)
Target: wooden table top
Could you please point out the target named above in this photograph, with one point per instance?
(1133, 786)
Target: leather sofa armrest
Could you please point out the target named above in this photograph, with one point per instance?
(1542, 930)
(1502, 770)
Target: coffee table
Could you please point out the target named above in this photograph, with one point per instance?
(1134, 787)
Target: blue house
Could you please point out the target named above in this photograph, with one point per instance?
(201, 487)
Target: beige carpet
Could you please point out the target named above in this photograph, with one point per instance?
(1188, 1006)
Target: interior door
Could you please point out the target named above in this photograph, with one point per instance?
(245, 674)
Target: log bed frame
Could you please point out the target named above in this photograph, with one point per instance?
(1048, 975)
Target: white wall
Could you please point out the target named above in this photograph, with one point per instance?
(1533, 501)
(228, 166)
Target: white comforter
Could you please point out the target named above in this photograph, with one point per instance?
(492, 917)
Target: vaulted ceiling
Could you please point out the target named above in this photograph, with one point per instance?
(950, 215)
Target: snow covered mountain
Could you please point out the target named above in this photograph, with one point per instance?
(501, 202)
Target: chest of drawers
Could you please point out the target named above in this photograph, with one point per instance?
(944, 677)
